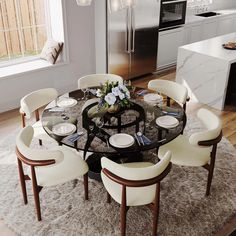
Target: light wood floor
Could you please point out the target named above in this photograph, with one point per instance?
(10, 120)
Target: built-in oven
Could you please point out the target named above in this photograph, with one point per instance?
(173, 13)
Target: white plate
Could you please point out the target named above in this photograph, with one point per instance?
(66, 102)
(167, 121)
(152, 97)
(64, 129)
(121, 140)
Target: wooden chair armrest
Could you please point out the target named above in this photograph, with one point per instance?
(34, 162)
(136, 183)
(22, 113)
(211, 142)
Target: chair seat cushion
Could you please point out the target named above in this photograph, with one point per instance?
(40, 133)
(71, 167)
(115, 189)
(185, 154)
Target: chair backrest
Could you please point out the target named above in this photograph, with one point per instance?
(29, 155)
(212, 124)
(96, 80)
(37, 99)
(171, 89)
(145, 193)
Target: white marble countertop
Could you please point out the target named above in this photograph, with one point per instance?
(213, 47)
(190, 18)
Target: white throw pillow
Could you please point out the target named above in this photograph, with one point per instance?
(51, 51)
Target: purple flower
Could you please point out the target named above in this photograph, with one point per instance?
(116, 91)
(121, 96)
(110, 98)
(123, 88)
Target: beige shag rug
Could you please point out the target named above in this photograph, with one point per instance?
(184, 208)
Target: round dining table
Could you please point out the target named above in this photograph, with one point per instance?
(96, 126)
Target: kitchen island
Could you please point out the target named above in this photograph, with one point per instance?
(204, 68)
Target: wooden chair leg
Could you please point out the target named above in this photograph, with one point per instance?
(86, 186)
(156, 210)
(123, 211)
(211, 169)
(168, 101)
(36, 193)
(40, 142)
(108, 198)
(22, 180)
(23, 119)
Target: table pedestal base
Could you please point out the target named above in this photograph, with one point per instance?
(94, 162)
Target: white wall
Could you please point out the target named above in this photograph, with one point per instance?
(80, 26)
(222, 4)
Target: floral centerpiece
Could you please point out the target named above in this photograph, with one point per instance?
(113, 96)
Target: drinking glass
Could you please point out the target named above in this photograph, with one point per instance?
(99, 123)
(150, 116)
(84, 90)
(91, 128)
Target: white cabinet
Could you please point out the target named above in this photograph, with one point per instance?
(195, 33)
(169, 41)
(226, 25)
(209, 29)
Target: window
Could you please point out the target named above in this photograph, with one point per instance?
(24, 28)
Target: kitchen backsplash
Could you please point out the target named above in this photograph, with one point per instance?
(197, 6)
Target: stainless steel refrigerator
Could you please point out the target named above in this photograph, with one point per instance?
(132, 39)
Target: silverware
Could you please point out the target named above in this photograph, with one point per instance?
(136, 137)
(164, 139)
(141, 138)
(107, 142)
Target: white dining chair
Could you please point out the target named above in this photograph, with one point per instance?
(171, 89)
(31, 103)
(135, 184)
(47, 167)
(199, 149)
(95, 80)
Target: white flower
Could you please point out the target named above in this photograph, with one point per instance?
(123, 88)
(110, 98)
(116, 91)
(121, 96)
(127, 94)
(99, 93)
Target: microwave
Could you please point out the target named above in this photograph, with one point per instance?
(173, 13)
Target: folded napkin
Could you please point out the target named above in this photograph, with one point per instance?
(142, 92)
(143, 139)
(73, 137)
(172, 113)
(146, 140)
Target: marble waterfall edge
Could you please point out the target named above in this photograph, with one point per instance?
(204, 68)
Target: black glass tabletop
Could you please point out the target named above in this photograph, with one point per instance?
(95, 128)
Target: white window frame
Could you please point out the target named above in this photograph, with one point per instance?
(58, 32)
(24, 59)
